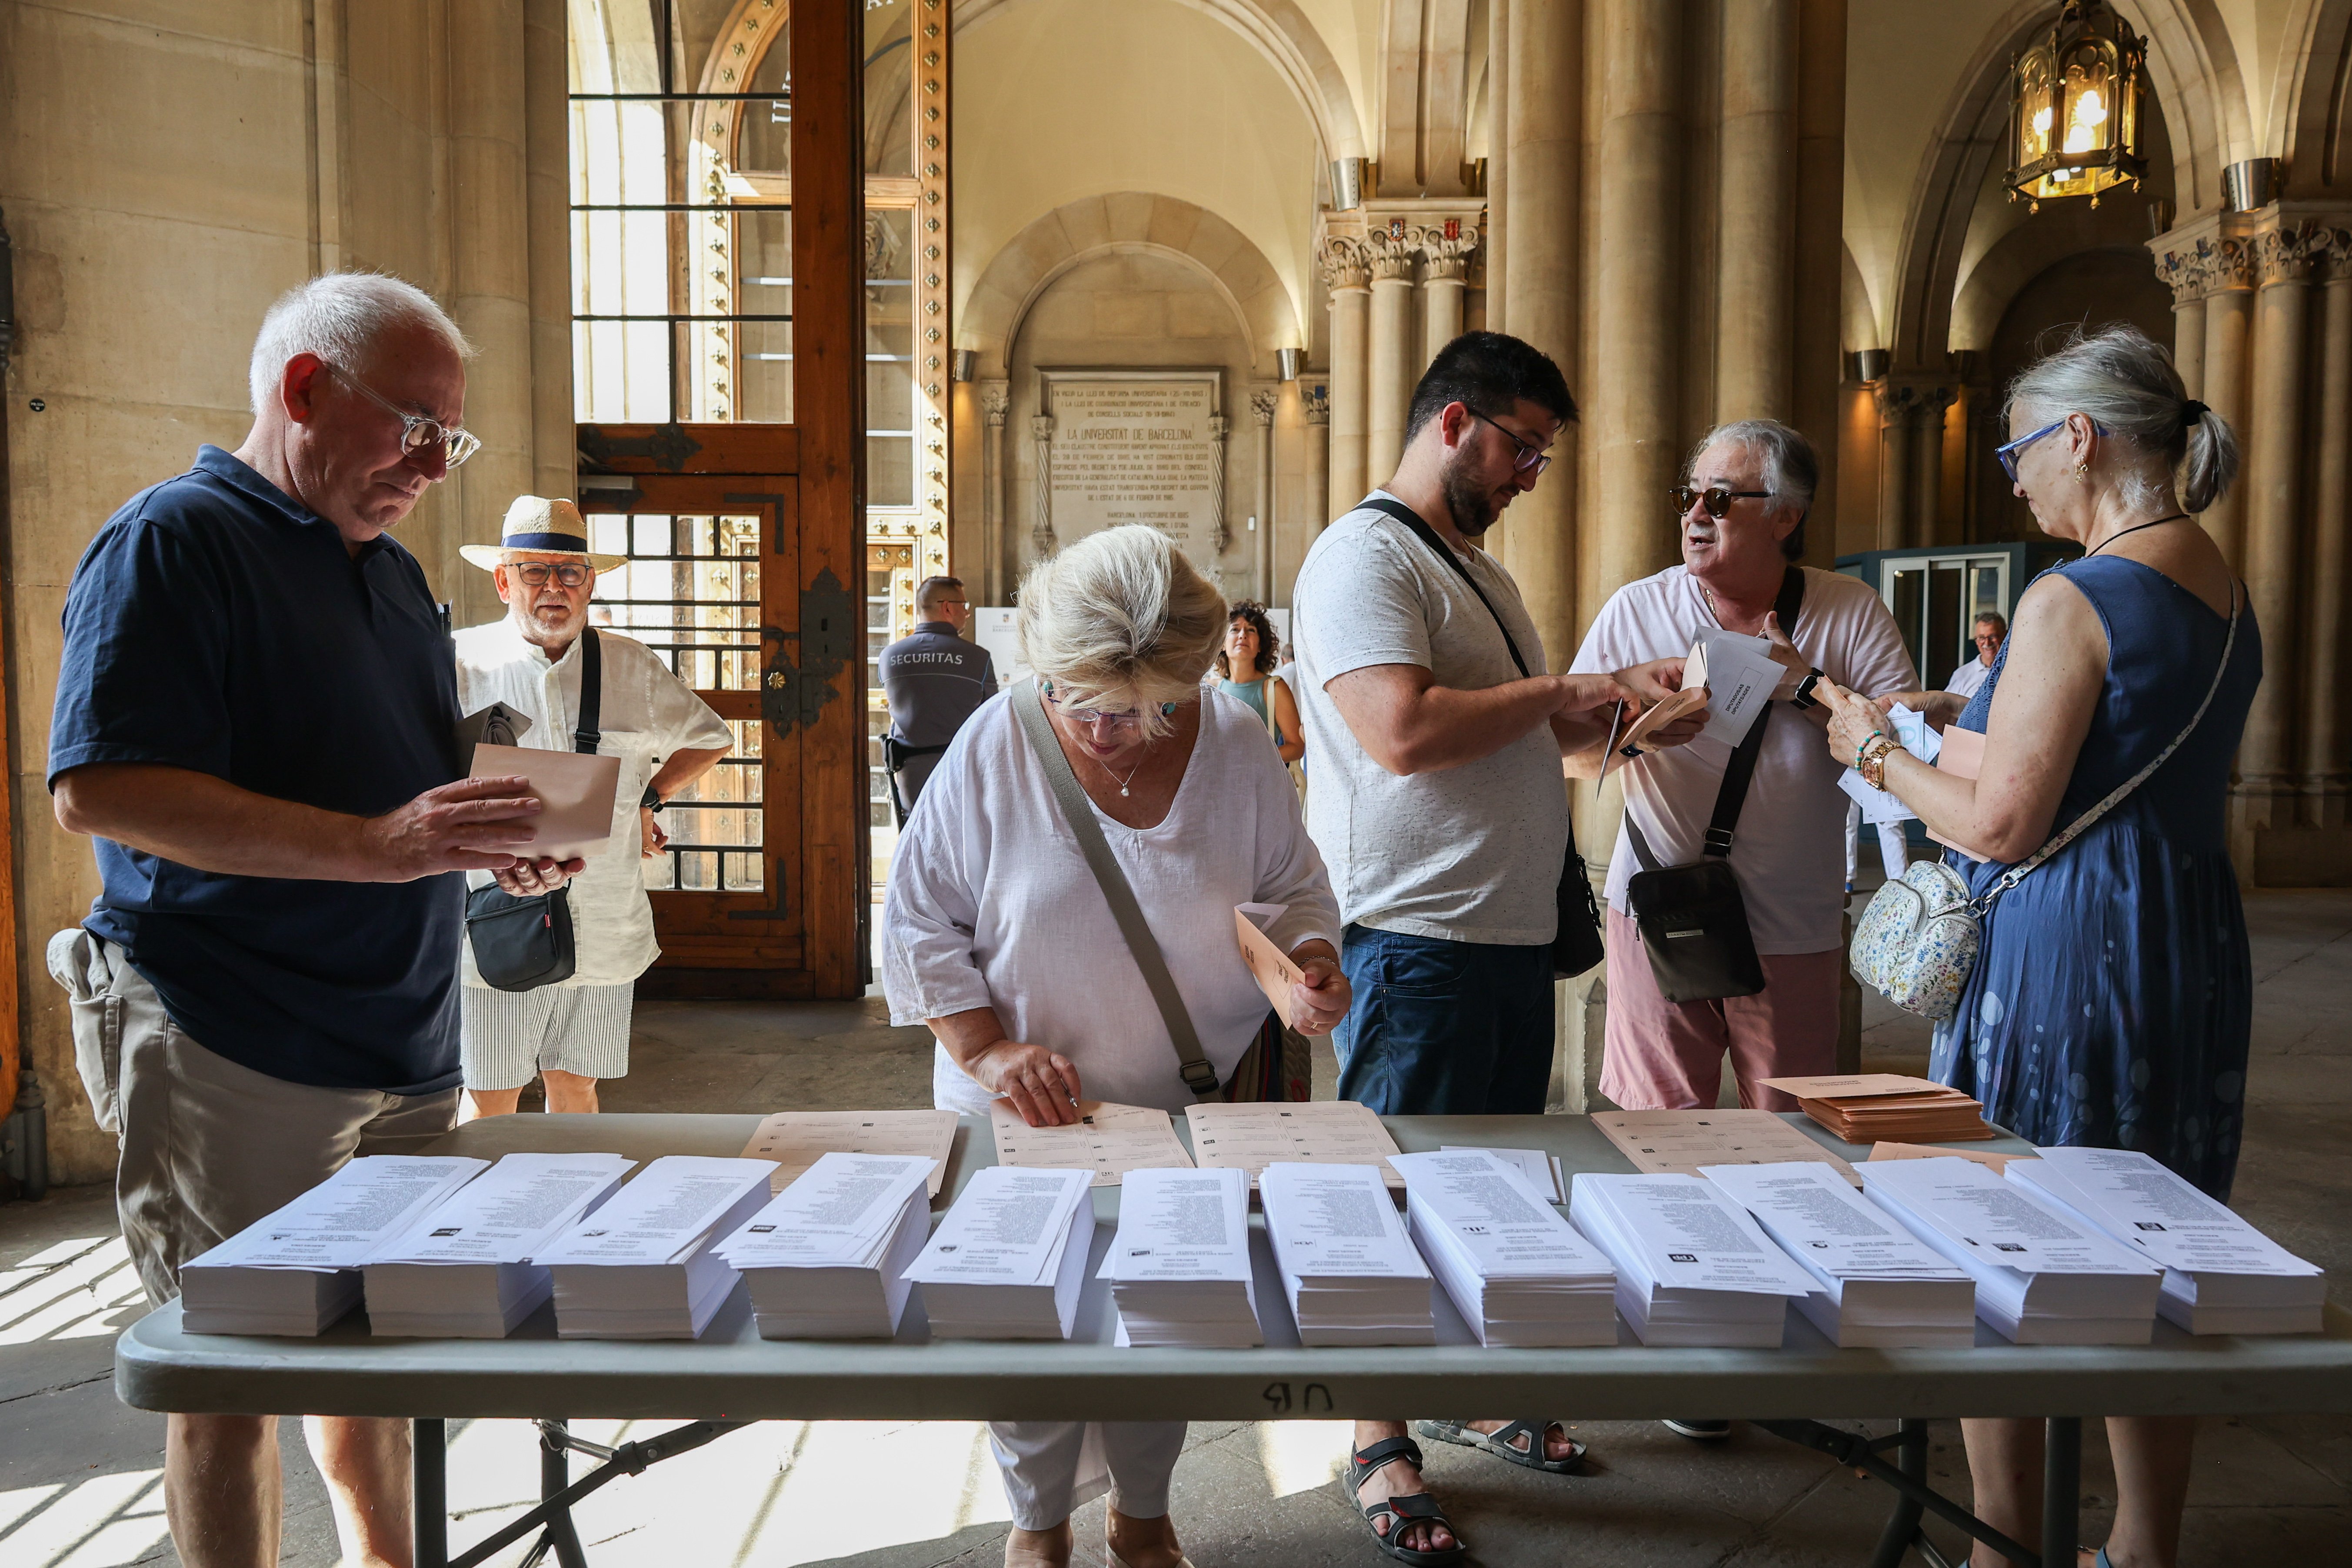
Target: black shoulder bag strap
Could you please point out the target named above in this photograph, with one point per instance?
(585, 738)
(1732, 798)
(1428, 535)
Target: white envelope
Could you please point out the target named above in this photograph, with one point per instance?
(576, 789)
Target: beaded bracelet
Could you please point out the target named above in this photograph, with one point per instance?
(1866, 740)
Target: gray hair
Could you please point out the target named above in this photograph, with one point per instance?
(337, 316)
(1792, 471)
(2124, 382)
(1120, 614)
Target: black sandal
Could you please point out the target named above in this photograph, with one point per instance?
(1536, 1456)
(1412, 1507)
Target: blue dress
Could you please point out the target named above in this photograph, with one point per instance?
(2113, 997)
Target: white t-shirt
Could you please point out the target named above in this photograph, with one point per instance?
(1789, 853)
(990, 904)
(1968, 677)
(1465, 854)
(644, 713)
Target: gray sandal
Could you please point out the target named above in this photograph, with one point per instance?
(1536, 1455)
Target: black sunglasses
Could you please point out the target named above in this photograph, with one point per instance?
(1718, 498)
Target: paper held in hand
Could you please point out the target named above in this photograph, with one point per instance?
(794, 1139)
(1268, 965)
(1109, 1139)
(1678, 1142)
(1252, 1136)
(1963, 757)
(1638, 738)
(575, 791)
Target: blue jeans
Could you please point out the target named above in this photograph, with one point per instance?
(1445, 1029)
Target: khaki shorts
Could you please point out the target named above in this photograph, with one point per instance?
(208, 1146)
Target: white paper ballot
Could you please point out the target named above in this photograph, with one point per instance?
(1918, 737)
(1542, 1170)
(1352, 1274)
(1008, 1261)
(666, 1216)
(835, 1213)
(1875, 1283)
(1496, 1214)
(337, 1223)
(1877, 805)
(1740, 677)
(1179, 1266)
(511, 1213)
(1690, 1236)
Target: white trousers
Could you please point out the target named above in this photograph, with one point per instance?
(1894, 851)
(1051, 1468)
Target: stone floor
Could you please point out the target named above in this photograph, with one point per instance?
(79, 1473)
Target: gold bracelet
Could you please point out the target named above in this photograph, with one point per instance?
(1872, 767)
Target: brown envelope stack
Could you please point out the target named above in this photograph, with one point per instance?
(1865, 1107)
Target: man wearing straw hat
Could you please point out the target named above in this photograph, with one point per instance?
(535, 660)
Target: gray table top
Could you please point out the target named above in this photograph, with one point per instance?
(732, 1373)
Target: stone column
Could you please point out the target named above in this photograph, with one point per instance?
(1817, 403)
(1757, 203)
(1637, 418)
(1219, 534)
(2229, 329)
(1041, 532)
(1316, 402)
(995, 399)
(1445, 282)
(1262, 406)
(1895, 409)
(2273, 513)
(1543, 94)
(548, 112)
(1927, 465)
(1390, 355)
(1348, 275)
(2326, 764)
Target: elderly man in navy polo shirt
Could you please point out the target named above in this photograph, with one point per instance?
(256, 721)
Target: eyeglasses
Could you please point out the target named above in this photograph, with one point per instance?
(2009, 454)
(1718, 498)
(1090, 717)
(418, 433)
(535, 573)
(1529, 460)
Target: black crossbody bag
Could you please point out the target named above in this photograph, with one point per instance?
(1692, 922)
(521, 944)
(1577, 947)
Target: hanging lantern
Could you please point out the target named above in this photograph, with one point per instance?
(2076, 101)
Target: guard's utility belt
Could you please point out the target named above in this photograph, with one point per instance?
(896, 753)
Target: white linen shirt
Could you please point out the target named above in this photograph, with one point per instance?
(990, 904)
(646, 713)
(1789, 851)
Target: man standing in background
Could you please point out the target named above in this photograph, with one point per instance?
(933, 681)
(1990, 630)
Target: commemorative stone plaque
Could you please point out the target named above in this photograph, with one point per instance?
(1136, 448)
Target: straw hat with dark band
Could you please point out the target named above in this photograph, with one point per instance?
(540, 526)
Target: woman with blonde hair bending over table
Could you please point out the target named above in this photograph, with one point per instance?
(997, 934)
(2112, 999)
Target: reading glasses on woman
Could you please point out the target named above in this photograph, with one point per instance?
(1090, 717)
(419, 433)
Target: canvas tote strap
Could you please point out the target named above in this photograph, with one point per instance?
(2016, 874)
(1079, 813)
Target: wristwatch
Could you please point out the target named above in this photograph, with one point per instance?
(1804, 698)
(650, 800)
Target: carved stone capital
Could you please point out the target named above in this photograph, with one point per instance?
(1894, 402)
(1317, 401)
(2331, 254)
(1447, 258)
(1344, 262)
(1262, 407)
(996, 402)
(1218, 427)
(1391, 258)
(2281, 254)
(1040, 425)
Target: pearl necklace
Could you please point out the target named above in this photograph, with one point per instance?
(1122, 782)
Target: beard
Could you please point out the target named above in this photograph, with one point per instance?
(1469, 503)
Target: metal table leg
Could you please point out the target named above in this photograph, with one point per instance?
(554, 1478)
(1902, 1525)
(2061, 1491)
(428, 1491)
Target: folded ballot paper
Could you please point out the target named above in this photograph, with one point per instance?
(297, 1270)
(2042, 1279)
(2221, 1276)
(1351, 1273)
(467, 1270)
(1179, 1266)
(642, 1267)
(1518, 1273)
(1692, 1268)
(827, 1257)
(1873, 1282)
(1008, 1261)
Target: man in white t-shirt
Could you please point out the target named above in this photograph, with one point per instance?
(1990, 630)
(1743, 516)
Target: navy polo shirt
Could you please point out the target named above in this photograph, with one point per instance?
(216, 625)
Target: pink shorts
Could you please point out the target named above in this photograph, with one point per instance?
(1668, 1056)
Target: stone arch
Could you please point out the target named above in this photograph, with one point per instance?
(2194, 82)
(2311, 114)
(1280, 32)
(1018, 275)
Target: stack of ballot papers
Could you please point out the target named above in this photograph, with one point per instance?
(1692, 1268)
(1542, 1170)
(1351, 1273)
(1873, 1282)
(826, 1259)
(641, 1267)
(1517, 1273)
(467, 1270)
(1862, 1108)
(1179, 1266)
(2042, 1279)
(2221, 1276)
(1008, 1261)
(297, 1270)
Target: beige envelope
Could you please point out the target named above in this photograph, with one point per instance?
(1854, 1086)
(1268, 965)
(1963, 757)
(1883, 1151)
(1635, 740)
(576, 790)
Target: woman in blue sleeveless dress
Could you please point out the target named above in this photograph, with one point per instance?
(2113, 997)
